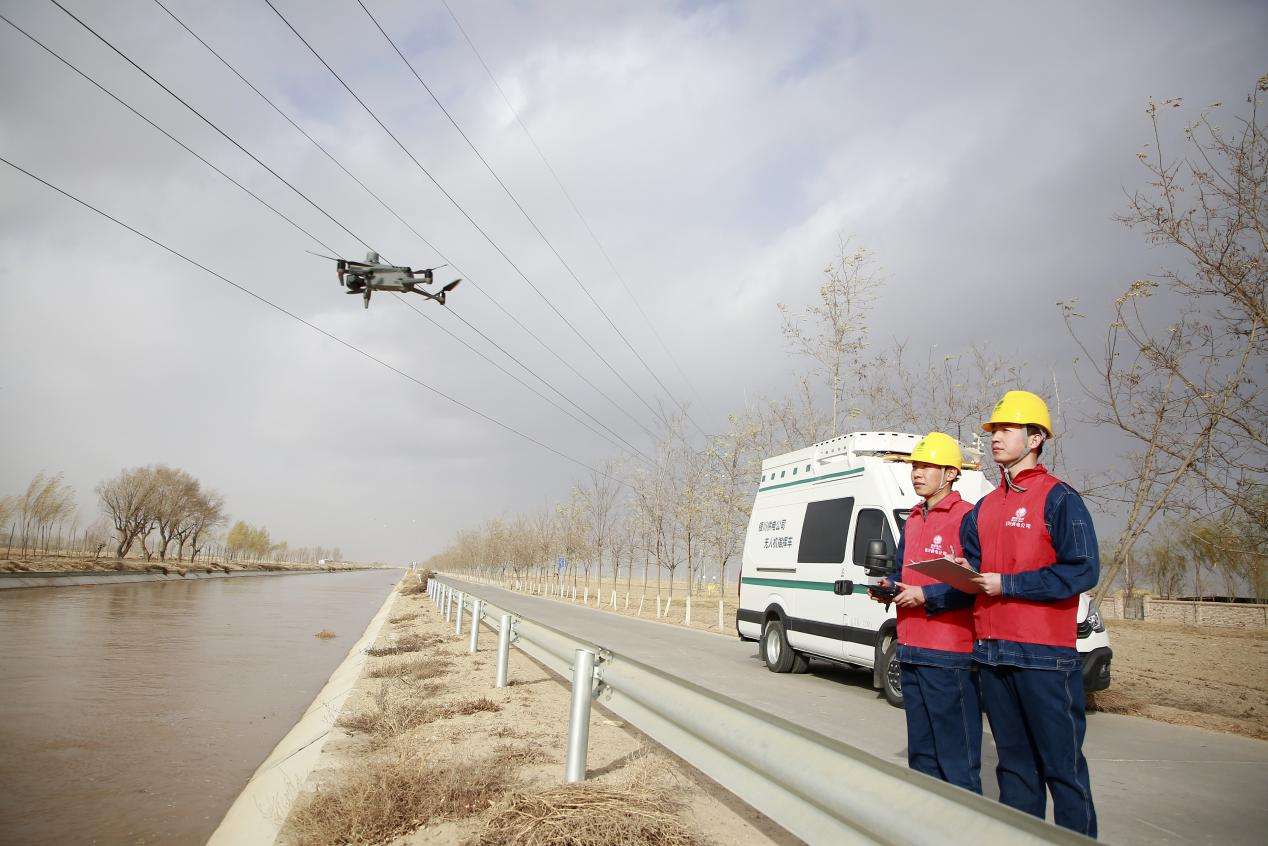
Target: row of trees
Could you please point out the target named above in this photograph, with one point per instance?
(161, 510)
(680, 512)
(43, 511)
(245, 540)
(161, 503)
(1178, 375)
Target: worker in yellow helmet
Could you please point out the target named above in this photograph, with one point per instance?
(935, 626)
(1033, 543)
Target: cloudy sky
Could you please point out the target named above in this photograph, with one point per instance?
(717, 150)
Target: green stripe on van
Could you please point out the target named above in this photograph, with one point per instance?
(793, 583)
(842, 474)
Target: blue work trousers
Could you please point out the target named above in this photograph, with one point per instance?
(944, 724)
(1038, 722)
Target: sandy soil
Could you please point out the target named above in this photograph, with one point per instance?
(1214, 678)
(37, 563)
(534, 714)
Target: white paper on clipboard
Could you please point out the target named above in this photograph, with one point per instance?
(949, 573)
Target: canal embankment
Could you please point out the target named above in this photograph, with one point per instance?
(427, 751)
(91, 579)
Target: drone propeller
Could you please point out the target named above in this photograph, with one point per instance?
(450, 286)
(430, 269)
(321, 255)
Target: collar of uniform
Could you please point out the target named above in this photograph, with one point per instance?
(1037, 470)
(944, 504)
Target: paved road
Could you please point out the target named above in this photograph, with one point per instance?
(1155, 784)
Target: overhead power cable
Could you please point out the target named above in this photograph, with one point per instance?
(470, 219)
(449, 309)
(169, 135)
(329, 335)
(284, 181)
(207, 121)
(527, 216)
(584, 222)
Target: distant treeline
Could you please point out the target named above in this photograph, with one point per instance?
(158, 510)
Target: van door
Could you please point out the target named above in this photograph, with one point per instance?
(863, 617)
(821, 555)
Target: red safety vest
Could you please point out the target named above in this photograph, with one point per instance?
(1014, 539)
(930, 533)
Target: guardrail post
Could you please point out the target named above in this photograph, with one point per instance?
(579, 716)
(457, 626)
(504, 650)
(448, 603)
(476, 610)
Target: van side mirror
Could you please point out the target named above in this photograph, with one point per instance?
(879, 560)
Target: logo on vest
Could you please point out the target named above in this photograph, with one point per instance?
(936, 548)
(1018, 520)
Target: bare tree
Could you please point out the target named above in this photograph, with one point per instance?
(1186, 389)
(599, 499)
(126, 499)
(833, 332)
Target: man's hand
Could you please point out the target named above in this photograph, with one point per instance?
(990, 583)
(910, 596)
(875, 597)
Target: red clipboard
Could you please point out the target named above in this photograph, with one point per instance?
(948, 572)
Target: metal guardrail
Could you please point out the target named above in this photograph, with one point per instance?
(816, 787)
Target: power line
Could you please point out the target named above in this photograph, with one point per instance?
(207, 121)
(525, 213)
(347, 344)
(584, 222)
(284, 181)
(465, 214)
(169, 135)
(450, 309)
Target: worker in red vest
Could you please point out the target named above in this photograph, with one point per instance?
(1033, 543)
(935, 626)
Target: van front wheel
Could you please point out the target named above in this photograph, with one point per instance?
(779, 656)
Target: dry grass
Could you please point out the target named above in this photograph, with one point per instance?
(388, 798)
(389, 717)
(407, 643)
(590, 814)
(325, 634)
(404, 618)
(1114, 702)
(412, 587)
(418, 667)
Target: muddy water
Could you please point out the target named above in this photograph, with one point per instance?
(136, 713)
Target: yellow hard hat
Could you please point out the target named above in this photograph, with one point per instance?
(938, 448)
(1021, 408)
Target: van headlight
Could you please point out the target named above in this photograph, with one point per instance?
(1094, 618)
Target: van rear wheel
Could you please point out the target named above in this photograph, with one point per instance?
(776, 652)
(891, 674)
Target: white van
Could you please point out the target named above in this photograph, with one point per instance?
(803, 583)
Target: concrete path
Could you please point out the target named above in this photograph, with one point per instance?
(1155, 784)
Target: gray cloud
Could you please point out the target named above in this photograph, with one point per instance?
(717, 149)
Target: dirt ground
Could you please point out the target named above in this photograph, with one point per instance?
(1213, 678)
(39, 563)
(1209, 677)
(530, 725)
(633, 601)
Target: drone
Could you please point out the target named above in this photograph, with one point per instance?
(364, 277)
